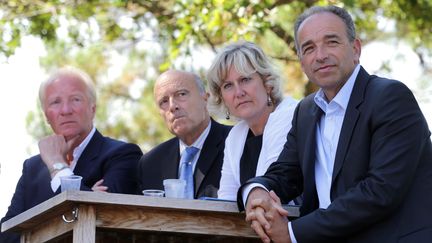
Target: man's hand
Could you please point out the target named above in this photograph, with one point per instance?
(267, 216)
(258, 201)
(99, 187)
(54, 148)
(278, 221)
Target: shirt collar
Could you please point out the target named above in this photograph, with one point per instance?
(80, 148)
(199, 142)
(342, 97)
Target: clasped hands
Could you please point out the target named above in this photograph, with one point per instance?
(267, 217)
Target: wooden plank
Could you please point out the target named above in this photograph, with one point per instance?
(117, 236)
(25, 238)
(84, 229)
(39, 213)
(172, 220)
(47, 230)
(163, 202)
(49, 208)
(154, 202)
(63, 203)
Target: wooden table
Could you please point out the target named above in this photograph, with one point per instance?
(110, 217)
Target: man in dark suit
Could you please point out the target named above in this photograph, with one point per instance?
(359, 150)
(68, 100)
(182, 102)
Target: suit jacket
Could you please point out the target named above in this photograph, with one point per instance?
(381, 187)
(162, 162)
(106, 158)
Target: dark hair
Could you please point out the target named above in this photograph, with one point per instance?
(340, 12)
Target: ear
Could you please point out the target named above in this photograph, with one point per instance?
(268, 88)
(205, 96)
(45, 115)
(93, 109)
(357, 49)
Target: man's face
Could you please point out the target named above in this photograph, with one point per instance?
(68, 108)
(181, 105)
(327, 56)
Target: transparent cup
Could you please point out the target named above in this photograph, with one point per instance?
(70, 183)
(174, 188)
(153, 193)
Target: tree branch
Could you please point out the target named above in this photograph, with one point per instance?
(279, 3)
(283, 34)
(213, 47)
(285, 58)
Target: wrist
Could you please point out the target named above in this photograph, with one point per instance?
(58, 166)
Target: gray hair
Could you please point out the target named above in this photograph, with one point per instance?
(68, 71)
(340, 12)
(246, 58)
(200, 84)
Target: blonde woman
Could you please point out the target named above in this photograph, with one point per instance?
(244, 86)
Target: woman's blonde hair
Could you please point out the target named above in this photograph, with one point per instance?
(247, 58)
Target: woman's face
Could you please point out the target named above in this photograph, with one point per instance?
(245, 96)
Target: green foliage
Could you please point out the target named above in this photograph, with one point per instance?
(183, 24)
(118, 114)
(36, 123)
(157, 35)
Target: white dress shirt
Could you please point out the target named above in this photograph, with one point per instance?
(327, 136)
(197, 144)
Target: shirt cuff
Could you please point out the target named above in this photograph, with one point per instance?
(247, 189)
(291, 233)
(55, 181)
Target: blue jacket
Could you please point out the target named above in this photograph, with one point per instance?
(106, 158)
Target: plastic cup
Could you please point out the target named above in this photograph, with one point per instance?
(70, 183)
(174, 188)
(153, 193)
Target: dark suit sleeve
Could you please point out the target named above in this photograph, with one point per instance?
(16, 207)
(119, 168)
(286, 170)
(149, 170)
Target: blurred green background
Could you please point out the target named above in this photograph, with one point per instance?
(144, 38)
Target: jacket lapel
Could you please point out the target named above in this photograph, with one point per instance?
(86, 161)
(311, 126)
(208, 154)
(168, 168)
(310, 158)
(350, 120)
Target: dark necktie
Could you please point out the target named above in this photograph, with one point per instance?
(186, 172)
